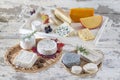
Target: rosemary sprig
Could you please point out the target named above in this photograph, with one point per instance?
(31, 34)
(83, 50)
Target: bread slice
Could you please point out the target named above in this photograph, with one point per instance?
(92, 22)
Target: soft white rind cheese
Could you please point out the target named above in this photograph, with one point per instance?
(90, 68)
(76, 69)
(36, 25)
(92, 56)
(28, 43)
(25, 59)
(47, 47)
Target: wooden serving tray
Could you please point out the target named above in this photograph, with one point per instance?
(41, 64)
(83, 73)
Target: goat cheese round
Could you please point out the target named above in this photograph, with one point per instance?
(90, 68)
(76, 69)
(36, 25)
(47, 47)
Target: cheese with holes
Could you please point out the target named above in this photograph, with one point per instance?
(25, 59)
(64, 30)
(47, 47)
(86, 34)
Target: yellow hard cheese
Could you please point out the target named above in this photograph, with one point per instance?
(85, 34)
(77, 13)
(92, 22)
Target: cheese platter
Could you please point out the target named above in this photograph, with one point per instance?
(56, 22)
(46, 35)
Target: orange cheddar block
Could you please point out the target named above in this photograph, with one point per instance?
(77, 13)
(92, 22)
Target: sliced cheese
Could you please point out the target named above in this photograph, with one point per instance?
(85, 34)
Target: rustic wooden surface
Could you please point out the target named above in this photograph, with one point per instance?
(13, 13)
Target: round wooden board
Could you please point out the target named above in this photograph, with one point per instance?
(83, 73)
(43, 63)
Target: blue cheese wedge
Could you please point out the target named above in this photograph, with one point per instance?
(25, 59)
(91, 56)
(64, 30)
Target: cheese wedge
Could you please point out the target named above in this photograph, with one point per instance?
(62, 15)
(85, 34)
(91, 22)
(77, 13)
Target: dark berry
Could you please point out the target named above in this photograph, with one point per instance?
(32, 12)
(50, 30)
(49, 26)
(46, 30)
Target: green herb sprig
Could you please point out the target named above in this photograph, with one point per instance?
(83, 50)
(31, 34)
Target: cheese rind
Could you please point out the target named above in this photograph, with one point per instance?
(25, 59)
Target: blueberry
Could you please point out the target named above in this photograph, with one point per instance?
(49, 26)
(50, 30)
(46, 30)
(32, 12)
